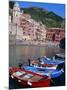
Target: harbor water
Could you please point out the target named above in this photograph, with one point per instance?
(21, 53)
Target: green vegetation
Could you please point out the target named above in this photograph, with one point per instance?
(50, 19)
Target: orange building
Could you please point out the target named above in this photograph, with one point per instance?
(55, 34)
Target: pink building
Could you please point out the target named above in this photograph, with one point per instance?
(55, 34)
(32, 29)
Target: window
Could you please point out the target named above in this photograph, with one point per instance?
(29, 34)
(23, 32)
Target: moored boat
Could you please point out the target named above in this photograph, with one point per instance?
(60, 56)
(29, 78)
(52, 73)
(48, 63)
(51, 62)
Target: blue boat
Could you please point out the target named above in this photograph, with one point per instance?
(49, 72)
(47, 63)
(45, 60)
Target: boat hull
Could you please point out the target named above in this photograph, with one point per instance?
(45, 82)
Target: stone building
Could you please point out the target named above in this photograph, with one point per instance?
(16, 13)
(14, 24)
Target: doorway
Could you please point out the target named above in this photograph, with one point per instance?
(53, 37)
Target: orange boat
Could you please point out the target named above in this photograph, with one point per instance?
(28, 78)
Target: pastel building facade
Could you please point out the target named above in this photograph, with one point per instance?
(55, 34)
(24, 27)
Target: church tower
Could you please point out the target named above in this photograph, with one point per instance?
(16, 13)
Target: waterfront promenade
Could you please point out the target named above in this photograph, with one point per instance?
(50, 43)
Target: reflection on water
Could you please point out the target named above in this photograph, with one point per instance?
(20, 54)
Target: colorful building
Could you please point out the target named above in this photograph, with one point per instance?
(35, 30)
(55, 34)
(24, 27)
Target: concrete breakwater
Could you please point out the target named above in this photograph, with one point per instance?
(34, 43)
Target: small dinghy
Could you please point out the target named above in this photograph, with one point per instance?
(28, 78)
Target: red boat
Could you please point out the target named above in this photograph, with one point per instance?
(28, 78)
